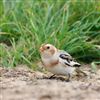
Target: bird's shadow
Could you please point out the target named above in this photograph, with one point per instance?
(64, 79)
(56, 78)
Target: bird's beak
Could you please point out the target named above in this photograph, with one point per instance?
(41, 49)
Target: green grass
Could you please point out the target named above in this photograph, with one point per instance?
(68, 24)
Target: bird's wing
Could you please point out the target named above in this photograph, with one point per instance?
(66, 59)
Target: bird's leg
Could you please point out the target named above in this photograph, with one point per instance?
(51, 76)
(68, 79)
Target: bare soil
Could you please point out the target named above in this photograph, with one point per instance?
(21, 83)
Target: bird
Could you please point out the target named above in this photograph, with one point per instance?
(58, 62)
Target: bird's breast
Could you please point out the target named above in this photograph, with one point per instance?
(50, 62)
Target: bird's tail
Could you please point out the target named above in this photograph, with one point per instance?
(80, 72)
(75, 64)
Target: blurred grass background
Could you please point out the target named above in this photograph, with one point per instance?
(72, 25)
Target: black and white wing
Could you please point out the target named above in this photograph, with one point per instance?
(67, 59)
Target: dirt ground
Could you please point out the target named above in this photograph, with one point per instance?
(21, 83)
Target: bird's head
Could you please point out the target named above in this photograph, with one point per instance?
(47, 50)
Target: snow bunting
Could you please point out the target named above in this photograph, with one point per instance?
(57, 61)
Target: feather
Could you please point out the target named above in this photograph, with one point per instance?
(68, 60)
(57, 61)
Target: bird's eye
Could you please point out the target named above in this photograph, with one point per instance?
(48, 47)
